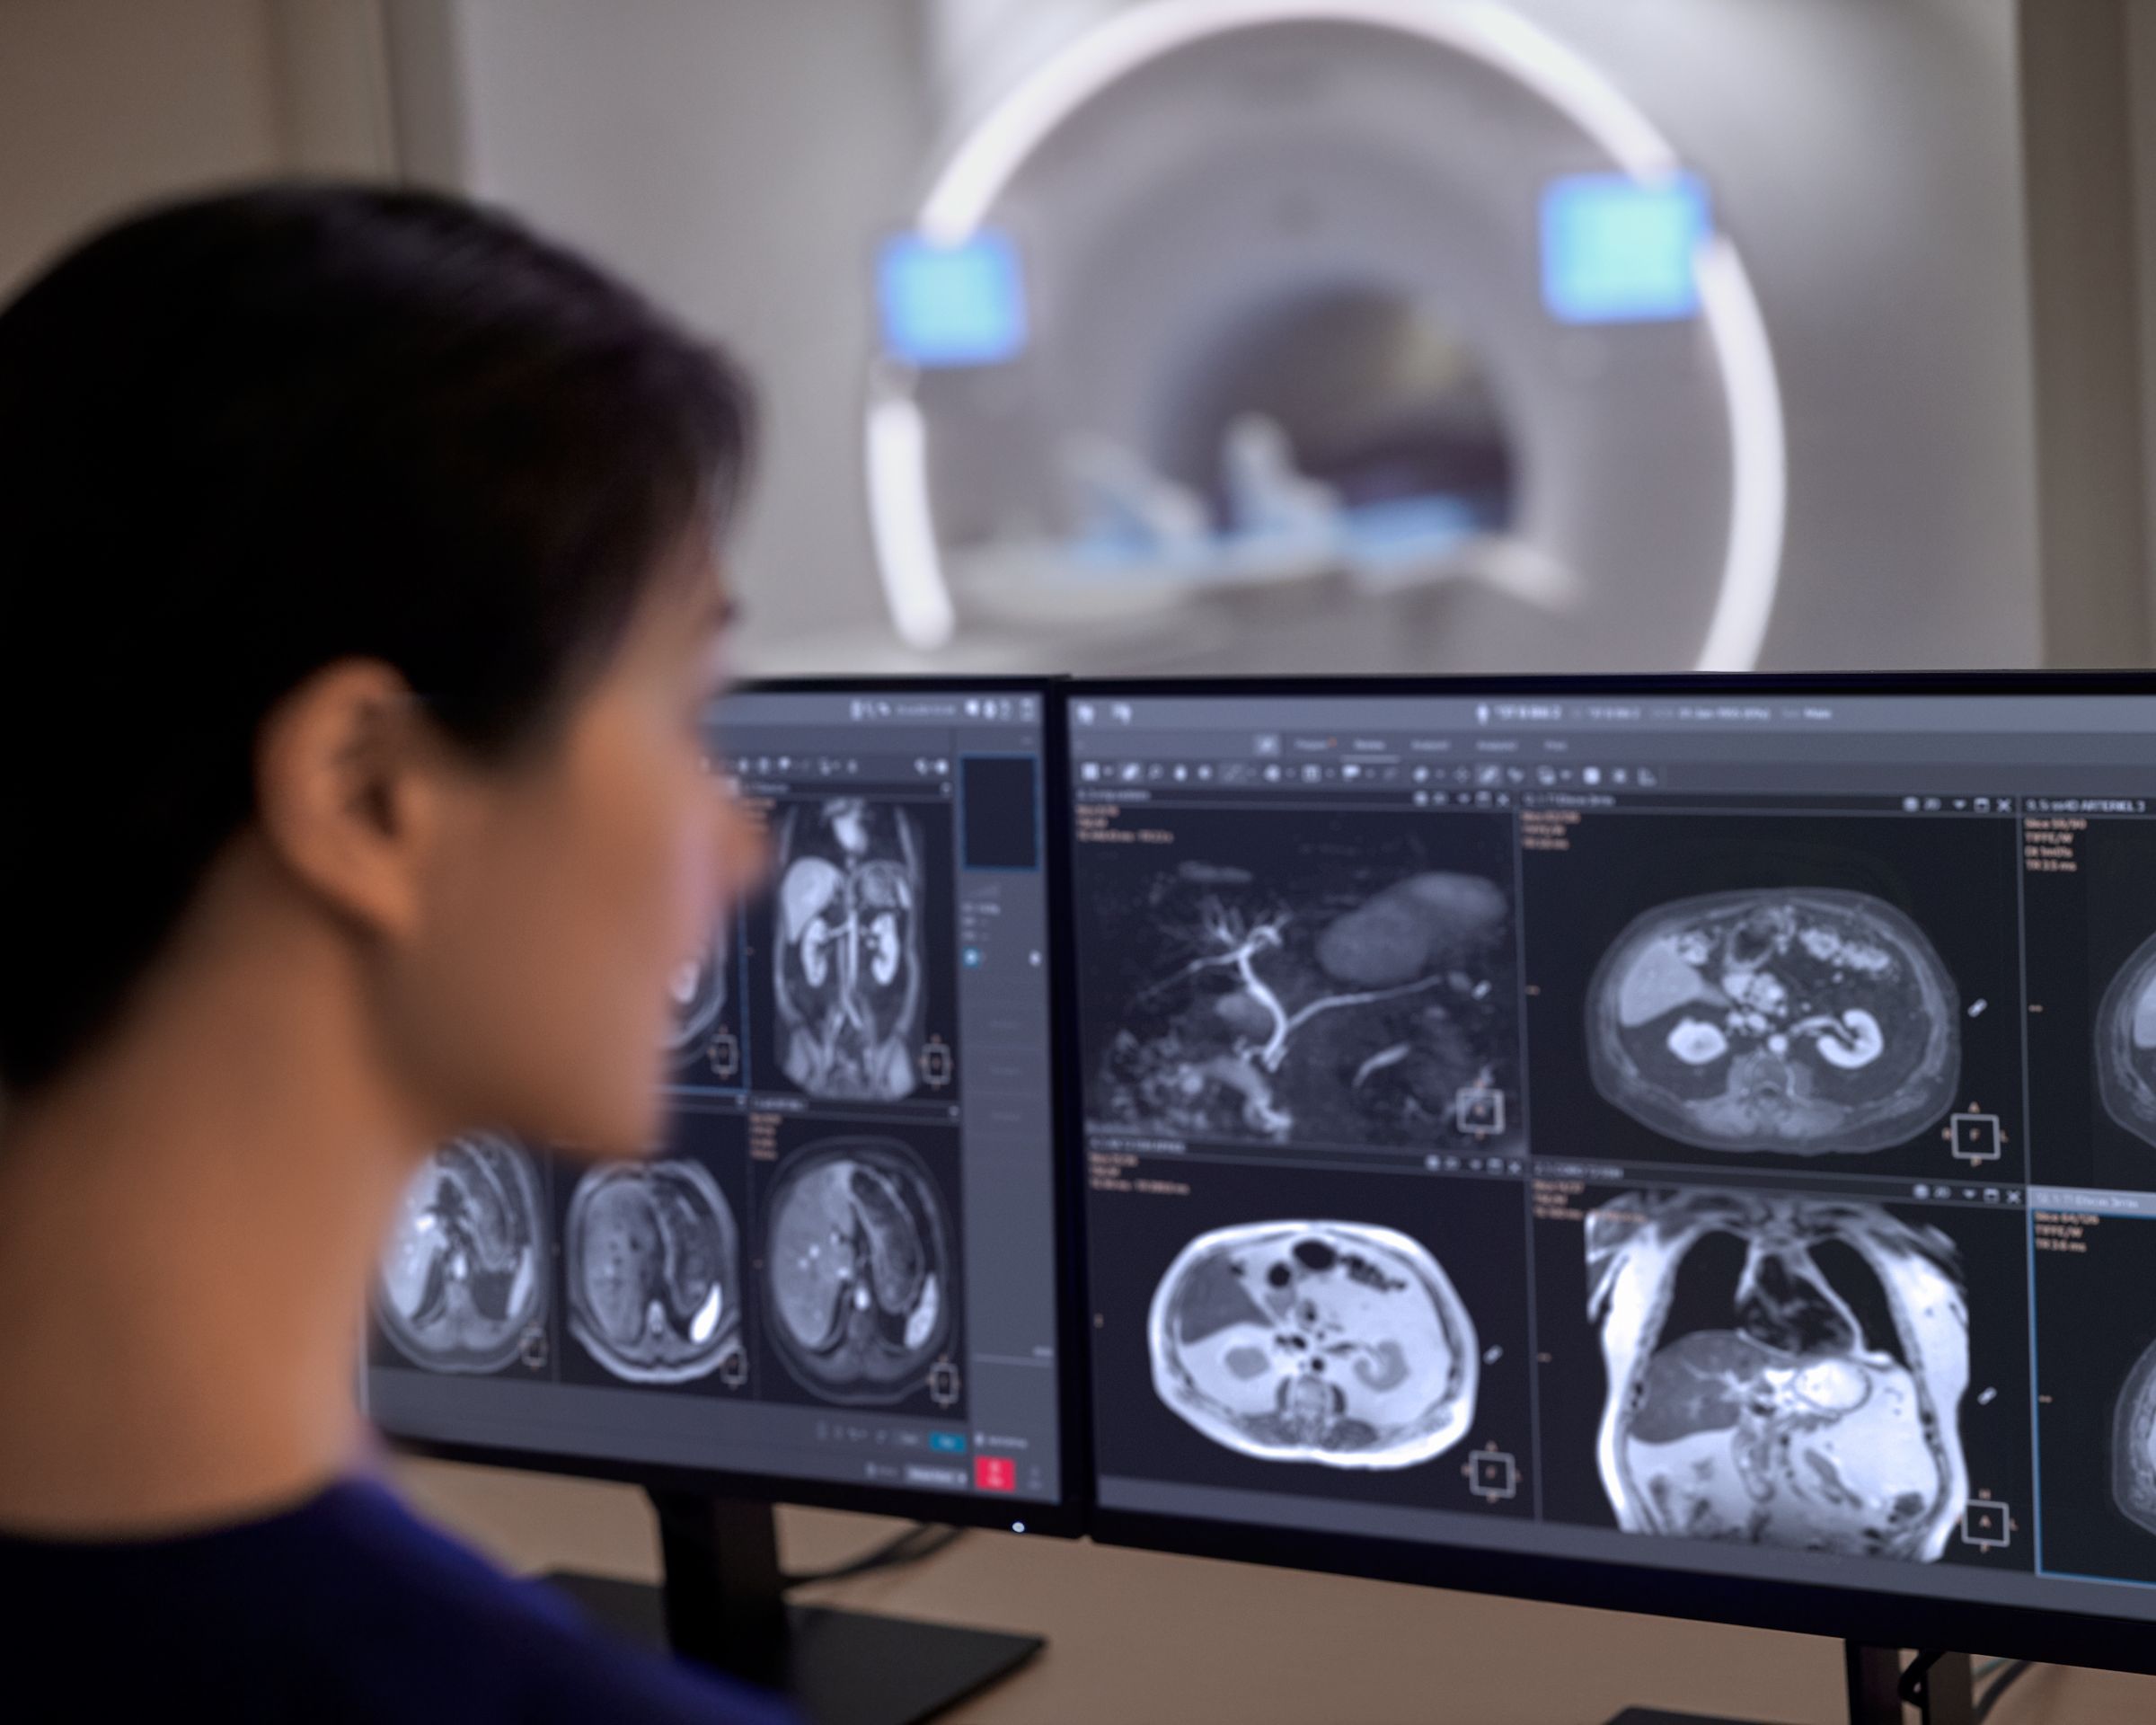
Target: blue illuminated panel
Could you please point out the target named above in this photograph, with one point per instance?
(1616, 250)
(961, 305)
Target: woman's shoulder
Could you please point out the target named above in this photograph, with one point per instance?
(347, 1608)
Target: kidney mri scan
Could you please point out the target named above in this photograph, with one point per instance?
(463, 1285)
(848, 969)
(1799, 1020)
(1334, 1343)
(2125, 1044)
(861, 1267)
(653, 1267)
(1789, 1424)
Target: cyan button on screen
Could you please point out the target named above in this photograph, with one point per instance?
(1618, 250)
(949, 1442)
(961, 305)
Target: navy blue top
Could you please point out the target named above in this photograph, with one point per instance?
(346, 1609)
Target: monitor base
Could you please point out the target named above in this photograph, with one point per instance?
(1937, 1684)
(723, 1605)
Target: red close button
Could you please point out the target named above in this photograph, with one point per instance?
(994, 1474)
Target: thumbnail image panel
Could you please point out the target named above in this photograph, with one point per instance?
(860, 1278)
(1779, 990)
(706, 1047)
(464, 1280)
(851, 971)
(1303, 976)
(2091, 957)
(1319, 1332)
(1802, 1372)
(653, 1269)
(2096, 1394)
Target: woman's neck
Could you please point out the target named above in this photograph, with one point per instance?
(188, 1223)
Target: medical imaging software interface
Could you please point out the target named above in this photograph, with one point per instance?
(839, 1266)
(1710, 1133)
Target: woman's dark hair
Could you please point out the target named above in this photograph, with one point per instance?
(245, 437)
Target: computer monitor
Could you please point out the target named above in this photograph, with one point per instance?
(1673, 1146)
(839, 1280)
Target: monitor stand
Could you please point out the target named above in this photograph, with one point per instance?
(1937, 1684)
(723, 1605)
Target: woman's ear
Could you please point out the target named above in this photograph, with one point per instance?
(351, 792)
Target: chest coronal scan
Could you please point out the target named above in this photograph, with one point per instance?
(1787, 1422)
(700, 991)
(859, 1256)
(653, 1268)
(1367, 1011)
(1335, 1342)
(2133, 1444)
(2125, 1044)
(1798, 1020)
(463, 1287)
(850, 985)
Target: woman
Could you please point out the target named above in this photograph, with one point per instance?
(358, 615)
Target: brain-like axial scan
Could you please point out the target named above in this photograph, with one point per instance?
(860, 1267)
(2125, 1044)
(462, 1286)
(1803, 1020)
(851, 992)
(653, 1267)
(1374, 1011)
(1335, 1342)
(1790, 1419)
(2133, 1444)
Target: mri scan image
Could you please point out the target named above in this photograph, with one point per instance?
(700, 990)
(861, 1263)
(1789, 1423)
(1335, 1342)
(464, 1280)
(2133, 1444)
(1364, 1004)
(851, 988)
(1801, 1020)
(653, 1263)
(2126, 1045)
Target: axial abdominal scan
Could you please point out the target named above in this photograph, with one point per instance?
(1336, 1342)
(1311, 988)
(2125, 1044)
(464, 1280)
(1806, 1390)
(652, 1260)
(848, 971)
(1798, 1020)
(860, 1268)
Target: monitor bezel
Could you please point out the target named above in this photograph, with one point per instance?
(1065, 1516)
(1855, 1613)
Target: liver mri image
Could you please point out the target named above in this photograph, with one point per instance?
(1788, 1423)
(1799, 1020)
(850, 981)
(2125, 1044)
(1335, 1342)
(859, 1254)
(464, 1285)
(653, 1262)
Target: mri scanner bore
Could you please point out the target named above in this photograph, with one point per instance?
(1337, 1342)
(1792, 1422)
(652, 1260)
(463, 1278)
(1803, 1020)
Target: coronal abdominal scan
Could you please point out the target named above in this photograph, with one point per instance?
(463, 1284)
(1796, 1019)
(653, 1267)
(1785, 1424)
(1375, 1011)
(1335, 1342)
(848, 969)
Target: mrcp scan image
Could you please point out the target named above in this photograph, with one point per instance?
(653, 1268)
(848, 974)
(1327, 979)
(2126, 1046)
(1337, 1342)
(1805, 1021)
(464, 1283)
(1795, 1424)
(861, 1272)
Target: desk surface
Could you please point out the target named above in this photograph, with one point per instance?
(1141, 1636)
